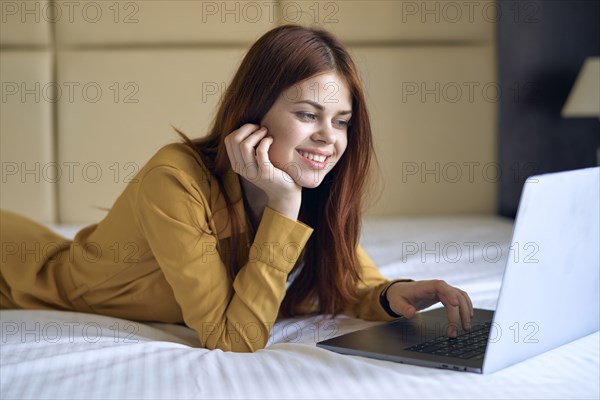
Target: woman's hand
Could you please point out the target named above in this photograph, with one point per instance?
(248, 151)
(406, 298)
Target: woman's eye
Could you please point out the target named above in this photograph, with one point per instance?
(311, 117)
(342, 123)
(307, 116)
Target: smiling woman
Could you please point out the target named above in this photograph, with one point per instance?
(310, 135)
(226, 233)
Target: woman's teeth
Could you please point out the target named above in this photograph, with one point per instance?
(313, 157)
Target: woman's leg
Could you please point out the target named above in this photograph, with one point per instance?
(26, 281)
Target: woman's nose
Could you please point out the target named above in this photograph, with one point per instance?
(325, 133)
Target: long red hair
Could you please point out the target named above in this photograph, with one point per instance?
(282, 57)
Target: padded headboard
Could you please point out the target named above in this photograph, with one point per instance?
(90, 89)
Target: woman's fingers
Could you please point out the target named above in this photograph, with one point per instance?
(407, 298)
(453, 313)
(458, 306)
(264, 165)
(232, 142)
(240, 146)
(468, 301)
(466, 311)
(237, 139)
(251, 167)
(409, 311)
(248, 145)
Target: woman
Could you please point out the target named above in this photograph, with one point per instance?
(258, 220)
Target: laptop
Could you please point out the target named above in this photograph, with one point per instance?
(549, 294)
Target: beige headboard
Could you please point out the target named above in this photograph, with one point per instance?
(90, 88)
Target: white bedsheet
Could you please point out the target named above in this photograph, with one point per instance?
(62, 355)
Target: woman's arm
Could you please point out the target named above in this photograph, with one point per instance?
(405, 297)
(368, 305)
(237, 316)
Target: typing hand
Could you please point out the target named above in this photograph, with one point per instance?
(406, 298)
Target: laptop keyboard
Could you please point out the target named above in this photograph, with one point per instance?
(468, 346)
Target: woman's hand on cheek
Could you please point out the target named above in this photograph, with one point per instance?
(406, 298)
(248, 151)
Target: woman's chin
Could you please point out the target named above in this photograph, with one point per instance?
(309, 182)
(309, 185)
(311, 179)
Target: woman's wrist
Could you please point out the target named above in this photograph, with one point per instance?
(385, 298)
(288, 207)
(385, 302)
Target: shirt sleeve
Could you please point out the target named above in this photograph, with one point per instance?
(172, 213)
(368, 305)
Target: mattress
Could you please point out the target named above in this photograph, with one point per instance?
(68, 355)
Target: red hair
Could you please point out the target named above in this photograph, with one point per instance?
(281, 58)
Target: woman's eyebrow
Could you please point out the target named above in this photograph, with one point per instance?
(320, 107)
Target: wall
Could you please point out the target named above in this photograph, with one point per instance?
(90, 89)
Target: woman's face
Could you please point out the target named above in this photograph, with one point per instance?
(309, 124)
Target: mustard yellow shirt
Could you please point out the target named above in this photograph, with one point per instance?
(148, 259)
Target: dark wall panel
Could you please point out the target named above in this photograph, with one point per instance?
(541, 48)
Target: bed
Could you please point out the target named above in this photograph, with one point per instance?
(67, 355)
